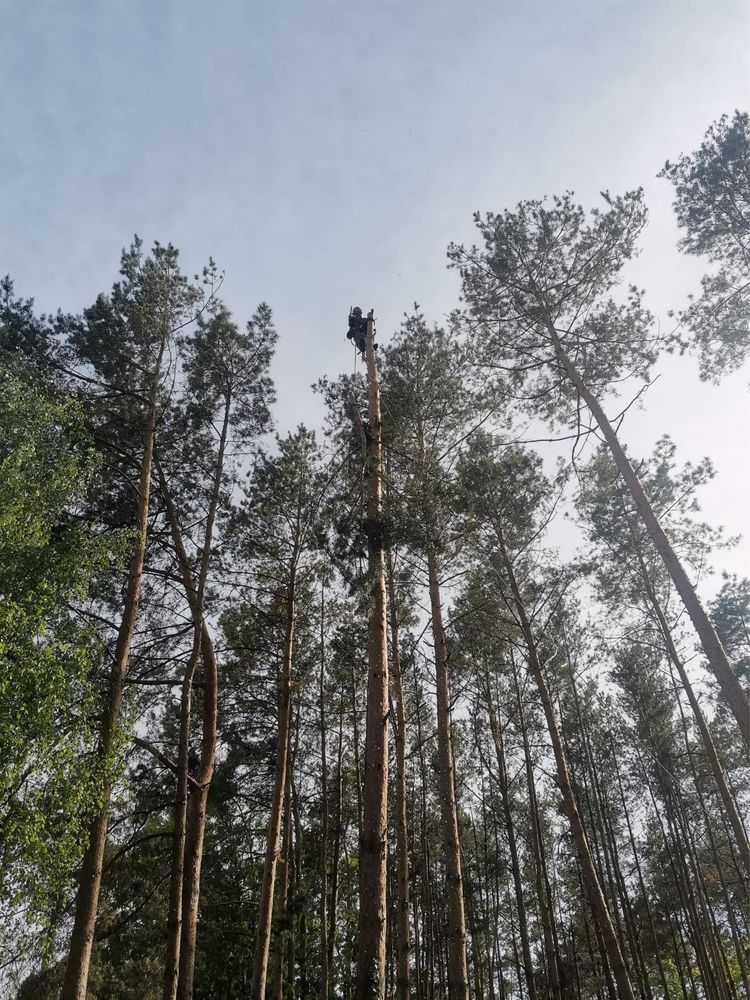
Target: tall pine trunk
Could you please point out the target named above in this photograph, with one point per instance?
(403, 944)
(90, 879)
(324, 964)
(374, 829)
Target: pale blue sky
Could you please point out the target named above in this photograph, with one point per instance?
(326, 152)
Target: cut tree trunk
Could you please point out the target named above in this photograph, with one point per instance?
(374, 829)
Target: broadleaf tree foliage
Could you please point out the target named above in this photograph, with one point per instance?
(327, 714)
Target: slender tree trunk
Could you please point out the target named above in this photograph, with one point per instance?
(304, 989)
(336, 844)
(174, 918)
(402, 846)
(374, 830)
(497, 738)
(641, 884)
(458, 977)
(284, 864)
(196, 824)
(602, 919)
(265, 912)
(713, 758)
(324, 965)
(545, 903)
(90, 878)
(717, 658)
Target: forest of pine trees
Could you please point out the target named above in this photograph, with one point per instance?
(326, 715)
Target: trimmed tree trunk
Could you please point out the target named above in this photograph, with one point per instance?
(265, 913)
(458, 976)
(600, 912)
(717, 658)
(90, 879)
(403, 944)
(374, 830)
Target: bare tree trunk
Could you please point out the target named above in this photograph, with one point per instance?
(90, 878)
(374, 830)
(602, 919)
(402, 846)
(729, 682)
(265, 912)
(458, 975)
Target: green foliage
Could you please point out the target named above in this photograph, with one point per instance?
(48, 780)
(712, 203)
(546, 267)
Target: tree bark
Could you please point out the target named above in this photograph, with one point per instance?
(374, 830)
(90, 879)
(403, 944)
(285, 862)
(717, 658)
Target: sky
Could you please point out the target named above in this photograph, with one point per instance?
(324, 153)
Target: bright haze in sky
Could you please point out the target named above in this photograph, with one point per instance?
(325, 153)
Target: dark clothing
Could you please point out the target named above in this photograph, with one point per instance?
(357, 330)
